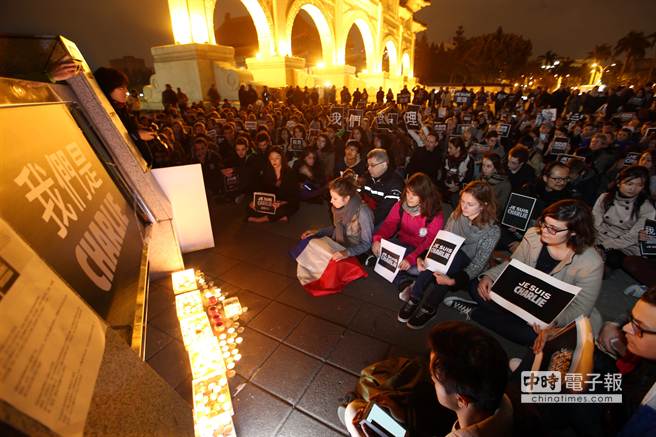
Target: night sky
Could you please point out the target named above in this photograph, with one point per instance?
(106, 29)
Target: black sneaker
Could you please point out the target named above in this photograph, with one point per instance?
(463, 306)
(421, 317)
(407, 310)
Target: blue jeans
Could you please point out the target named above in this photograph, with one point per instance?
(425, 284)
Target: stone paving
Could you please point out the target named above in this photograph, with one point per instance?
(300, 353)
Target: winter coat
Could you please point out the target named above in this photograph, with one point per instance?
(617, 228)
(585, 270)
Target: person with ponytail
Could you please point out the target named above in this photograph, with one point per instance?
(353, 220)
(620, 214)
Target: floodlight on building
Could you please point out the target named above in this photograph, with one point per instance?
(327, 84)
(321, 64)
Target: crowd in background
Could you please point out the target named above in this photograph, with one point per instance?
(448, 159)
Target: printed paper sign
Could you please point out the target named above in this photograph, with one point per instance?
(536, 297)
(52, 342)
(354, 118)
(263, 203)
(559, 146)
(648, 248)
(296, 144)
(462, 97)
(563, 158)
(441, 112)
(518, 211)
(503, 129)
(460, 129)
(389, 260)
(403, 99)
(411, 117)
(631, 159)
(336, 114)
(231, 182)
(443, 250)
(250, 125)
(440, 128)
(549, 114)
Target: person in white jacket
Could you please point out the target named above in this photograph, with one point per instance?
(620, 214)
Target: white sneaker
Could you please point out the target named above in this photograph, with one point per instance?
(405, 294)
(463, 306)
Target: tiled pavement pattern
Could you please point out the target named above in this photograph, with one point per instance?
(300, 353)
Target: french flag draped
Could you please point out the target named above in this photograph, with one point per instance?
(318, 273)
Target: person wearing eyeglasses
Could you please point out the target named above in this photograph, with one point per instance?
(620, 215)
(626, 346)
(383, 186)
(547, 190)
(561, 245)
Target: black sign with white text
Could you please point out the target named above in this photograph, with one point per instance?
(559, 146)
(518, 211)
(264, 203)
(296, 144)
(389, 260)
(648, 248)
(531, 294)
(354, 118)
(336, 115)
(57, 195)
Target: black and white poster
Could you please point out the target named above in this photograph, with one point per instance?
(296, 144)
(648, 248)
(403, 98)
(441, 112)
(503, 129)
(250, 125)
(389, 260)
(336, 115)
(231, 182)
(460, 129)
(462, 97)
(387, 120)
(564, 158)
(575, 116)
(534, 296)
(264, 203)
(440, 128)
(443, 250)
(559, 146)
(631, 158)
(549, 115)
(354, 118)
(518, 211)
(411, 117)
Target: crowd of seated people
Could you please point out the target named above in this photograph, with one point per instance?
(590, 171)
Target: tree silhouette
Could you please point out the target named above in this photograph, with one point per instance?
(602, 53)
(548, 58)
(633, 45)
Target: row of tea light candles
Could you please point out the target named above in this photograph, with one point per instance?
(210, 333)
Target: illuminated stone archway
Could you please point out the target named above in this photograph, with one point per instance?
(393, 56)
(318, 15)
(195, 61)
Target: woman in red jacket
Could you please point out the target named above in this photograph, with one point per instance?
(413, 223)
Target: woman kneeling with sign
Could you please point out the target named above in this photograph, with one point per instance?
(561, 245)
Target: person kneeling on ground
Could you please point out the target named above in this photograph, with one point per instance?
(469, 372)
(474, 219)
(562, 245)
(353, 221)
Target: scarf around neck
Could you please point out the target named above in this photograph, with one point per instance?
(412, 210)
(343, 216)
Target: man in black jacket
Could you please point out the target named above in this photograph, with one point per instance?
(383, 187)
